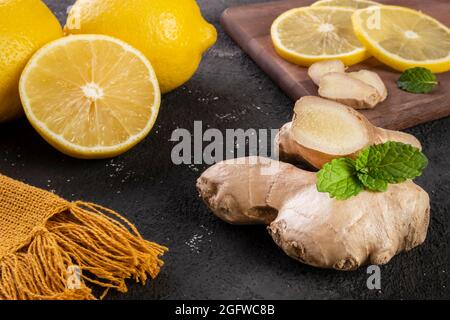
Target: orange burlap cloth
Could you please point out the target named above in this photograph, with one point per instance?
(44, 238)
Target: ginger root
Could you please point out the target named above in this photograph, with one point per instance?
(317, 70)
(342, 88)
(310, 226)
(361, 90)
(372, 79)
(323, 130)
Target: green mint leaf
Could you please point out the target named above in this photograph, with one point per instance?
(339, 179)
(372, 184)
(417, 80)
(391, 162)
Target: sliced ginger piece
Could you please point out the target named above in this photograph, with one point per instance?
(319, 69)
(326, 126)
(323, 130)
(342, 88)
(373, 79)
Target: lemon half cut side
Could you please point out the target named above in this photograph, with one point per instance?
(90, 96)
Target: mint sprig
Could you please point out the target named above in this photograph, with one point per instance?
(417, 80)
(392, 162)
(374, 169)
(339, 178)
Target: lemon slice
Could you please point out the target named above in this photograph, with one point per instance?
(310, 34)
(90, 96)
(404, 38)
(353, 4)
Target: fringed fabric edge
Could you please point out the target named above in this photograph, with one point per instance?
(85, 244)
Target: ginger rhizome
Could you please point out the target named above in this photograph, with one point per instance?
(309, 226)
(312, 226)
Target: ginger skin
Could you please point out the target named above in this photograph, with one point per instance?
(311, 227)
(293, 149)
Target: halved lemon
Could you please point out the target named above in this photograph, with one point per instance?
(90, 96)
(404, 38)
(353, 4)
(310, 34)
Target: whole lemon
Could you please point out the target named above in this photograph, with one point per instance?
(172, 34)
(25, 26)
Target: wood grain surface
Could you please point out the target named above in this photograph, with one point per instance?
(249, 26)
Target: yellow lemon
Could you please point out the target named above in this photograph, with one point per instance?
(25, 26)
(90, 96)
(404, 38)
(172, 34)
(310, 34)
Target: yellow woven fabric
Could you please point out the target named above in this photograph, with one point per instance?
(43, 236)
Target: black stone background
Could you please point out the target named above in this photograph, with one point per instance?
(210, 259)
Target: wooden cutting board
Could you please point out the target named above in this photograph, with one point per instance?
(250, 25)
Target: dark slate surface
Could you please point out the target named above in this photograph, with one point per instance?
(208, 258)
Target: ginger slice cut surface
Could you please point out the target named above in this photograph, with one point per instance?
(328, 127)
(319, 69)
(342, 88)
(362, 89)
(323, 130)
(372, 79)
